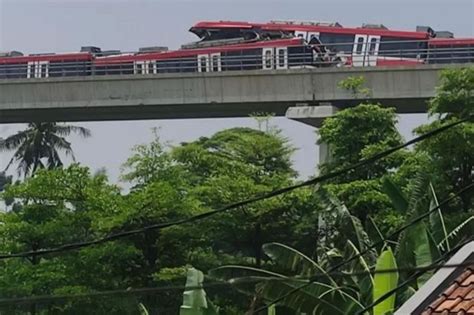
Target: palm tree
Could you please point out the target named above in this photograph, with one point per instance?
(38, 146)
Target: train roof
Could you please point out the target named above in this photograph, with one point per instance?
(77, 56)
(193, 52)
(289, 26)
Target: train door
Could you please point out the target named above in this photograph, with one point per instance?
(359, 50)
(365, 50)
(216, 65)
(145, 67)
(209, 63)
(301, 34)
(281, 58)
(373, 44)
(312, 35)
(203, 63)
(38, 69)
(267, 58)
(275, 58)
(307, 36)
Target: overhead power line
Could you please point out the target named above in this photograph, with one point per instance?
(250, 280)
(314, 181)
(368, 249)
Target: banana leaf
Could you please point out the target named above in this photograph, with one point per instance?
(385, 282)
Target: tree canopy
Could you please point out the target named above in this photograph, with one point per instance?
(298, 234)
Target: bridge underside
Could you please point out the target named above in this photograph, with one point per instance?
(145, 112)
(208, 95)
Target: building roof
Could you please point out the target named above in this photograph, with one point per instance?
(458, 298)
(448, 291)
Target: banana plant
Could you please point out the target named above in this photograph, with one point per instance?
(142, 309)
(425, 241)
(324, 296)
(385, 282)
(194, 300)
(420, 244)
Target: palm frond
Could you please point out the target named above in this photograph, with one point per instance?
(295, 261)
(467, 225)
(419, 191)
(235, 271)
(316, 298)
(364, 281)
(437, 226)
(14, 141)
(66, 130)
(40, 142)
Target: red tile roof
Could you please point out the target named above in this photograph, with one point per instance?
(458, 298)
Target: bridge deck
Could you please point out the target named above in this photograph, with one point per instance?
(208, 95)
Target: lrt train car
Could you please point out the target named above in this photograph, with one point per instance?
(369, 45)
(228, 46)
(451, 50)
(266, 55)
(14, 65)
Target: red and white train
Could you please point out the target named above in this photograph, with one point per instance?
(368, 45)
(228, 46)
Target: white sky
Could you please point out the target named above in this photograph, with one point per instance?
(66, 25)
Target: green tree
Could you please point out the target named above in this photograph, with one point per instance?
(357, 133)
(354, 134)
(451, 154)
(38, 146)
(57, 207)
(233, 165)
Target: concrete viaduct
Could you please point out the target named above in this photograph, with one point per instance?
(297, 93)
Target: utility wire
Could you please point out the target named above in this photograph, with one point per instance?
(413, 277)
(319, 179)
(368, 249)
(250, 280)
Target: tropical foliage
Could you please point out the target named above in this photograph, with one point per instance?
(352, 287)
(38, 146)
(263, 250)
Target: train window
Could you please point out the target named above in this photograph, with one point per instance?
(282, 58)
(32, 70)
(150, 67)
(138, 68)
(313, 36)
(337, 42)
(13, 71)
(360, 44)
(402, 47)
(268, 59)
(300, 34)
(215, 63)
(373, 45)
(44, 71)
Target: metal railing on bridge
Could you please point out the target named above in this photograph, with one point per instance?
(225, 58)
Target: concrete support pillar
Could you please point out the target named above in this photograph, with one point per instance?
(324, 153)
(314, 116)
